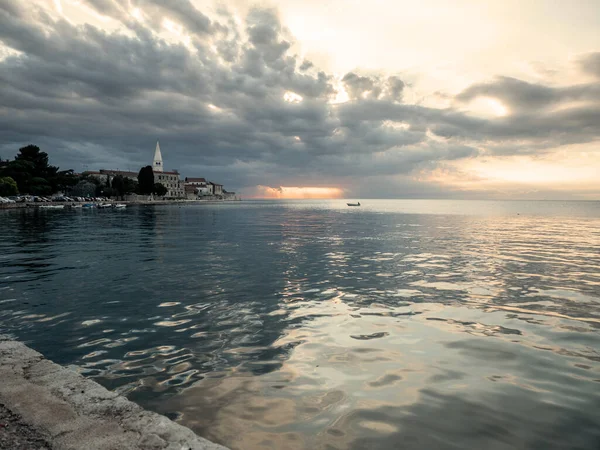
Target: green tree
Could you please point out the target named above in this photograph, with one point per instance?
(90, 179)
(64, 180)
(39, 159)
(84, 188)
(146, 180)
(131, 186)
(160, 189)
(32, 173)
(103, 191)
(39, 186)
(108, 192)
(33, 154)
(8, 186)
(20, 171)
(123, 185)
(118, 184)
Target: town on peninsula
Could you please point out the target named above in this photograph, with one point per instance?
(29, 180)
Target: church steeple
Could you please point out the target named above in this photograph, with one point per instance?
(157, 165)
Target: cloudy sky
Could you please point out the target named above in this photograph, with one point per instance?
(292, 98)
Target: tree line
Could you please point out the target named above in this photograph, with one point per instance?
(31, 173)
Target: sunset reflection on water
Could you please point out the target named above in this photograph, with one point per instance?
(291, 325)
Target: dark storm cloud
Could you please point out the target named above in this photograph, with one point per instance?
(538, 113)
(95, 98)
(356, 86)
(305, 65)
(180, 11)
(521, 96)
(10, 7)
(591, 64)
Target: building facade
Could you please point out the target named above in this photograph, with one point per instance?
(195, 181)
(170, 180)
(190, 188)
(217, 189)
(191, 192)
(107, 175)
(200, 186)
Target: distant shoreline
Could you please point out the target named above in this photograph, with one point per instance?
(35, 205)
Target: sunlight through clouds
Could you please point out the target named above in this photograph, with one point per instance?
(292, 97)
(287, 96)
(136, 13)
(487, 107)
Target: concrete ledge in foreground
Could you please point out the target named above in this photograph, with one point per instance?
(72, 412)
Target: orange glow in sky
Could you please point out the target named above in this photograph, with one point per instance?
(571, 169)
(297, 192)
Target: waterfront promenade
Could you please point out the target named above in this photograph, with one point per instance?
(128, 203)
(46, 406)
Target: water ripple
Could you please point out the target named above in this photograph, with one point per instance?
(311, 325)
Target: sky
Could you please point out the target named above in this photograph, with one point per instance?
(313, 99)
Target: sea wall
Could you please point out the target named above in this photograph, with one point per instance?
(72, 412)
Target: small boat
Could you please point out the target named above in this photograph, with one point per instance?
(88, 205)
(52, 206)
(353, 204)
(120, 205)
(104, 205)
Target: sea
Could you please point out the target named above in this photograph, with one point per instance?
(399, 324)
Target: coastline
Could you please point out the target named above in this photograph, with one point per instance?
(125, 202)
(51, 406)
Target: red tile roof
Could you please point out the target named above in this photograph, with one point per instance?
(195, 180)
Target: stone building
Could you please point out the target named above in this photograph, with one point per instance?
(200, 186)
(195, 181)
(106, 174)
(191, 192)
(170, 180)
(217, 189)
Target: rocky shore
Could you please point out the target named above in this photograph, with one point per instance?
(46, 406)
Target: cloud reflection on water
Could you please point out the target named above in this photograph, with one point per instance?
(305, 325)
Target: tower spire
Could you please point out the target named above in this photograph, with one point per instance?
(157, 165)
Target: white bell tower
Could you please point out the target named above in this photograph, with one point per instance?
(157, 165)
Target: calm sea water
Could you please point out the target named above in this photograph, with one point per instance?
(311, 325)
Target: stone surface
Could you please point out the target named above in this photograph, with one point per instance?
(58, 408)
(16, 435)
